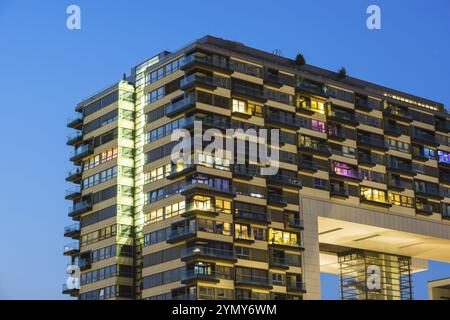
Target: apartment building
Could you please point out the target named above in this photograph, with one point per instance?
(363, 181)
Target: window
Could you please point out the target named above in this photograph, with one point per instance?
(166, 212)
(223, 206)
(243, 231)
(443, 157)
(401, 200)
(373, 194)
(155, 95)
(399, 145)
(100, 158)
(157, 174)
(283, 237)
(242, 252)
(318, 126)
(278, 279)
(344, 169)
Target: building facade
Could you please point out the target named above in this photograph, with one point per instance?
(364, 175)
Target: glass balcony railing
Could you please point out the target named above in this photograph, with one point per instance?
(191, 186)
(73, 192)
(401, 184)
(310, 165)
(258, 281)
(66, 290)
(244, 214)
(197, 78)
(81, 151)
(249, 91)
(392, 129)
(284, 119)
(71, 247)
(395, 111)
(278, 261)
(181, 232)
(344, 116)
(194, 274)
(424, 207)
(73, 173)
(81, 206)
(272, 78)
(181, 105)
(245, 170)
(295, 286)
(339, 190)
(319, 147)
(370, 158)
(429, 190)
(426, 137)
(277, 199)
(372, 141)
(75, 120)
(74, 137)
(206, 60)
(295, 222)
(286, 242)
(283, 179)
(206, 251)
(73, 228)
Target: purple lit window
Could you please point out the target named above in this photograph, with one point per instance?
(444, 157)
(318, 126)
(344, 169)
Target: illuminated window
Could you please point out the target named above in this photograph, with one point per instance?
(174, 209)
(318, 126)
(202, 203)
(242, 231)
(239, 106)
(157, 174)
(443, 157)
(223, 206)
(344, 169)
(283, 237)
(373, 194)
(401, 200)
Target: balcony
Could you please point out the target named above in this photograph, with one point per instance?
(293, 223)
(74, 138)
(192, 275)
(73, 292)
(430, 191)
(79, 208)
(288, 121)
(273, 80)
(316, 148)
(247, 172)
(397, 113)
(337, 134)
(75, 121)
(363, 104)
(253, 281)
(443, 126)
(399, 184)
(284, 180)
(206, 252)
(197, 80)
(309, 165)
(424, 208)
(293, 244)
(207, 189)
(255, 217)
(315, 88)
(74, 175)
(181, 234)
(180, 106)
(205, 61)
(72, 231)
(277, 200)
(249, 92)
(81, 152)
(369, 199)
(401, 167)
(278, 262)
(419, 154)
(73, 193)
(444, 177)
(180, 170)
(71, 249)
(340, 191)
(392, 130)
(298, 287)
(372, 142)
(343, 117)
(306, 107)
(369, 159)
(424, 138)
(84, 264)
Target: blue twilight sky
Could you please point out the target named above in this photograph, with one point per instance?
(46, 69)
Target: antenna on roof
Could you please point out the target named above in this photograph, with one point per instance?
(277, 52)
(124, 77)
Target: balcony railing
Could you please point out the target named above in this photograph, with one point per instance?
(424, 137)
(392, 129)
(338, 190)
(197, 79)
(276, 199)
(72, 229)
(399, 184)
(180, 233)
(81, 151)
(290, 121)
(343, 116)
(295, 222)
(311, 87)
(73, 192)
(80, 207)
(430, 191)
(401, 166)
(73, 174)
(193, 275)
(257, 281)
(181, 105)
(205, 60)
(193, 186)
(71, 248)
(286, 242)
(370, 159)
(425, 208)
(74, 138)
(207, 252)
(295, 286)
(395, 111)
(250, 92)
(372, 141)
(285, 180)
(243, 170)
(257, 216)
(316, 147)
(75, 121)
(278, 261)
(310, 165)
